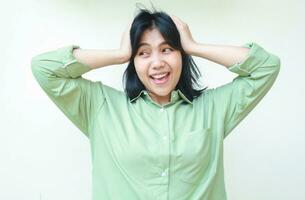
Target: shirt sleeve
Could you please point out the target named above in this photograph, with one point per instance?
(59, 75)
(256, 75)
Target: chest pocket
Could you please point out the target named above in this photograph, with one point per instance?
(196, 156)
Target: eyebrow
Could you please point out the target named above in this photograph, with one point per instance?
(144, 43)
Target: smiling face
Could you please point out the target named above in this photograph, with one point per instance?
(158, 65)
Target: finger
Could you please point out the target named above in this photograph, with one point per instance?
(174, 18)
(177, 21)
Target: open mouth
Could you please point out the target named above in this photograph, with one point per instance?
(160, 78)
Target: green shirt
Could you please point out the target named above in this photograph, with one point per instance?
(144, 151)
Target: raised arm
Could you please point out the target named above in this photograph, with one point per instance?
(222, 54)
(100, 58)
(257, 70)
(59, 71)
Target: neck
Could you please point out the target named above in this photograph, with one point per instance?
(160, 99)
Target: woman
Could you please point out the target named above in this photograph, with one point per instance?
(161, 138)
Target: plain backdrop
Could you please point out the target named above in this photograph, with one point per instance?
(43, 156)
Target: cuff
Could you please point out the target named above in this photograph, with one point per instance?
(73, 67)
(255, 57)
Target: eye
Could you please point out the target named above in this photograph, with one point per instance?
(142, 53)
(167, 49)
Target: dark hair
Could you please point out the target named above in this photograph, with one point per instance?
(190, 74)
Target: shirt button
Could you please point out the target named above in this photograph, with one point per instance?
(163, 174)
(161, 109)
(164, 137)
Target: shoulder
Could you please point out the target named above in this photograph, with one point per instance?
(109, 90)
(111, 94)
(204, 98)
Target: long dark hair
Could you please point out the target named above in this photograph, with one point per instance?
(190, 74)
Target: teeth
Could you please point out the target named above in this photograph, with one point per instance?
(159, 75)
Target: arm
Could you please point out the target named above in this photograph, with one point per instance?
(220, 54)
(256, 75)
(257, 71)
(58, 72)
(100, 58)
(95, 58)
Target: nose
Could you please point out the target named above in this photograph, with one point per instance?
(157, 61)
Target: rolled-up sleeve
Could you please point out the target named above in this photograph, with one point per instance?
(256, 75)
(59, 74)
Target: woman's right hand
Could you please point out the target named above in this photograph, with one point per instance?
(125, 47)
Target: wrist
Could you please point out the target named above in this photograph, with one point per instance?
(197, 50)
(123, 56)
(192, 49)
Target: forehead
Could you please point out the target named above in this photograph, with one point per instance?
(152, 37)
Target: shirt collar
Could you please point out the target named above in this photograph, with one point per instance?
(175, 96)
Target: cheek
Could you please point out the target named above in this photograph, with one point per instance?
(141, 71)
(178, 73)
(177, 69)
(176, 62)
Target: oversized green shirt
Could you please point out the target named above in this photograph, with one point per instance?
(144, 151)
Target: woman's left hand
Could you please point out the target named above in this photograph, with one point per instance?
(186, 38)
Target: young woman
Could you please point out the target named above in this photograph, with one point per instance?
(161, 138)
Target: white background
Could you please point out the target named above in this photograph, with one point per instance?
(43, 156)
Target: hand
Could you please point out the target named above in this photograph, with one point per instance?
(186, 38)
(125, 48)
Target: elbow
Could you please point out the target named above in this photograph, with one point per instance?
(36, 58)
(36, 67)
(34, 64)
(35, 61)
(275, 63)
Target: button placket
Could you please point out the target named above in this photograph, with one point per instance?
(164, 136)
(164, 144)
